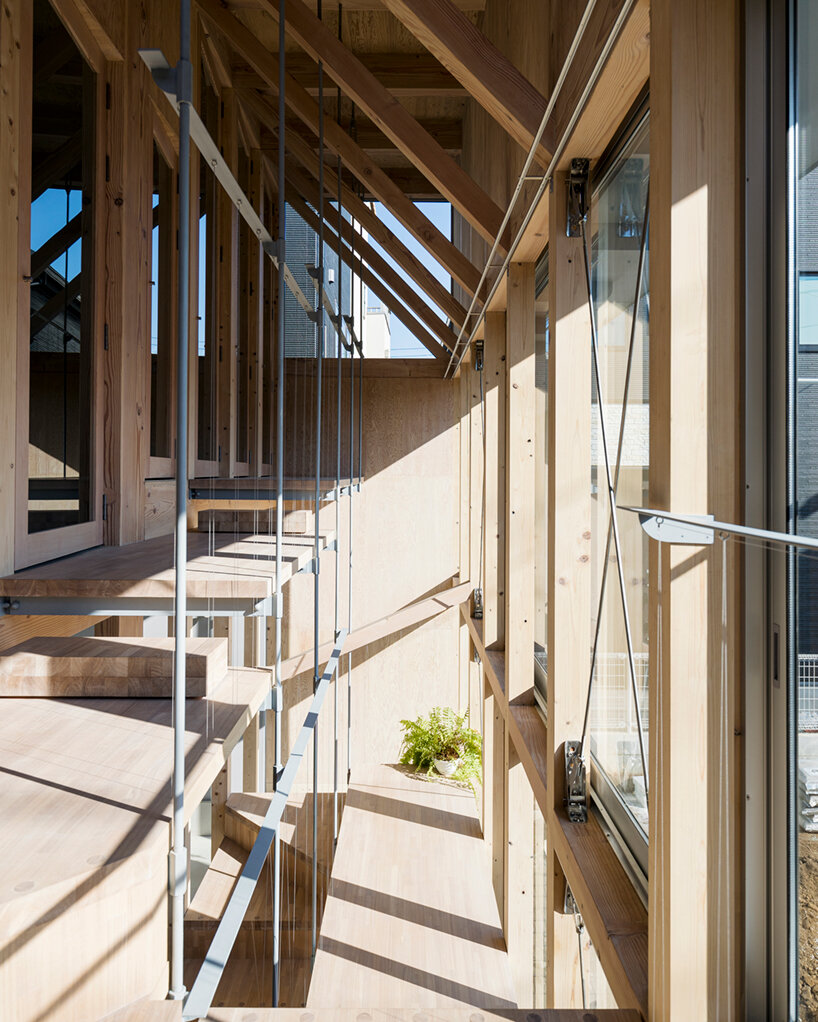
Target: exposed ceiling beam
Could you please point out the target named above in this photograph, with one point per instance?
(52, 54)
(53, 168)
(360, 269)
(497, 85)
(352, 6)
(404, 74)
(374, 179)
(601, 23)
(423, 151)
(360, 211)
(447, 130)
(411, 298)
(56, 245)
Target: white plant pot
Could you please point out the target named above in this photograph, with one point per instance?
(446, 767)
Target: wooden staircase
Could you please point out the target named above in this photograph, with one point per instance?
(247, 979)
(89, 667)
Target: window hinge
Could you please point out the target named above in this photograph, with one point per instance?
(576, 795)
(478, 355)
(105, 507)
(105, 337)
(477, 610)
(577, 205)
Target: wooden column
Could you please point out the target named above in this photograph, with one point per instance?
(695, 457)
(519, 496)
(569, 564)
(15, 89)
(226, 288)
(494, 554)
(125, 356)
(519, 611)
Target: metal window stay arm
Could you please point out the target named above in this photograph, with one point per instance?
(700, 530)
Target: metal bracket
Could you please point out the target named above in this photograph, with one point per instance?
(576, 793)
(479, 348)
(176, 876)
(666, 530)
(577, 204)
(477, 611)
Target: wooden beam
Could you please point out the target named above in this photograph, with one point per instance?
(55, 304)
(377, 229)
(52, 54)
(372, 282)
(376, 263)
(56, 165)
(364, 214)
(338, 141)
(56, 245)
(448, 131)
(403, 74)
(497, 85)
(351, 6)
(394, 120)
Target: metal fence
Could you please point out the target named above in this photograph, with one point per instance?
(612, 706)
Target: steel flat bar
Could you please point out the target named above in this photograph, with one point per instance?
(156, 62)
(134, 606)
(204, 987)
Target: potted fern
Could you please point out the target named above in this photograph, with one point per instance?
(444, 742)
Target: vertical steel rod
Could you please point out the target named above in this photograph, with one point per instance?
(319, 355)
(619, 446)
(278, 695)
(612, 498)
(179, 855)
(338, 393)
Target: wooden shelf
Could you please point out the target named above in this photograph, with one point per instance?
(493, 660)
(616, 919)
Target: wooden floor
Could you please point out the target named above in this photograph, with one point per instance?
(220, 566)
(411, 920)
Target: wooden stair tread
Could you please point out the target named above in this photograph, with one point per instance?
(245, 812)
(86, 666)
(247, 982)
(208, 904)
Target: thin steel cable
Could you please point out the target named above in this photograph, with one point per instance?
(319, 355)
(611, 494)
(620, 444)
(278, 700)
(338, 394)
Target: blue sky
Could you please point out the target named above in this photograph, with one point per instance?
(49, 213)
(404, 345)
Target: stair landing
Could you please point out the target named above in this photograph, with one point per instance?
(411, 917)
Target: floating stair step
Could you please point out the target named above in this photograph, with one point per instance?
(263, 522)
(255, 937)
(248, 983)
(80, 666)
(245, 811)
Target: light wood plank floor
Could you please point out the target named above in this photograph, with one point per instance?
(411, 918)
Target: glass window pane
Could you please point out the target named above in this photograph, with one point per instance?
(163, 251)
(617, 222)
(61, 324)
(803, 617)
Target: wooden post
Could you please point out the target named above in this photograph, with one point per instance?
(494, 554)
(695, 456)
(15, 43)
(227, 285)
(520, 443)
(128, 220)
(569, 565)
(519, 612)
